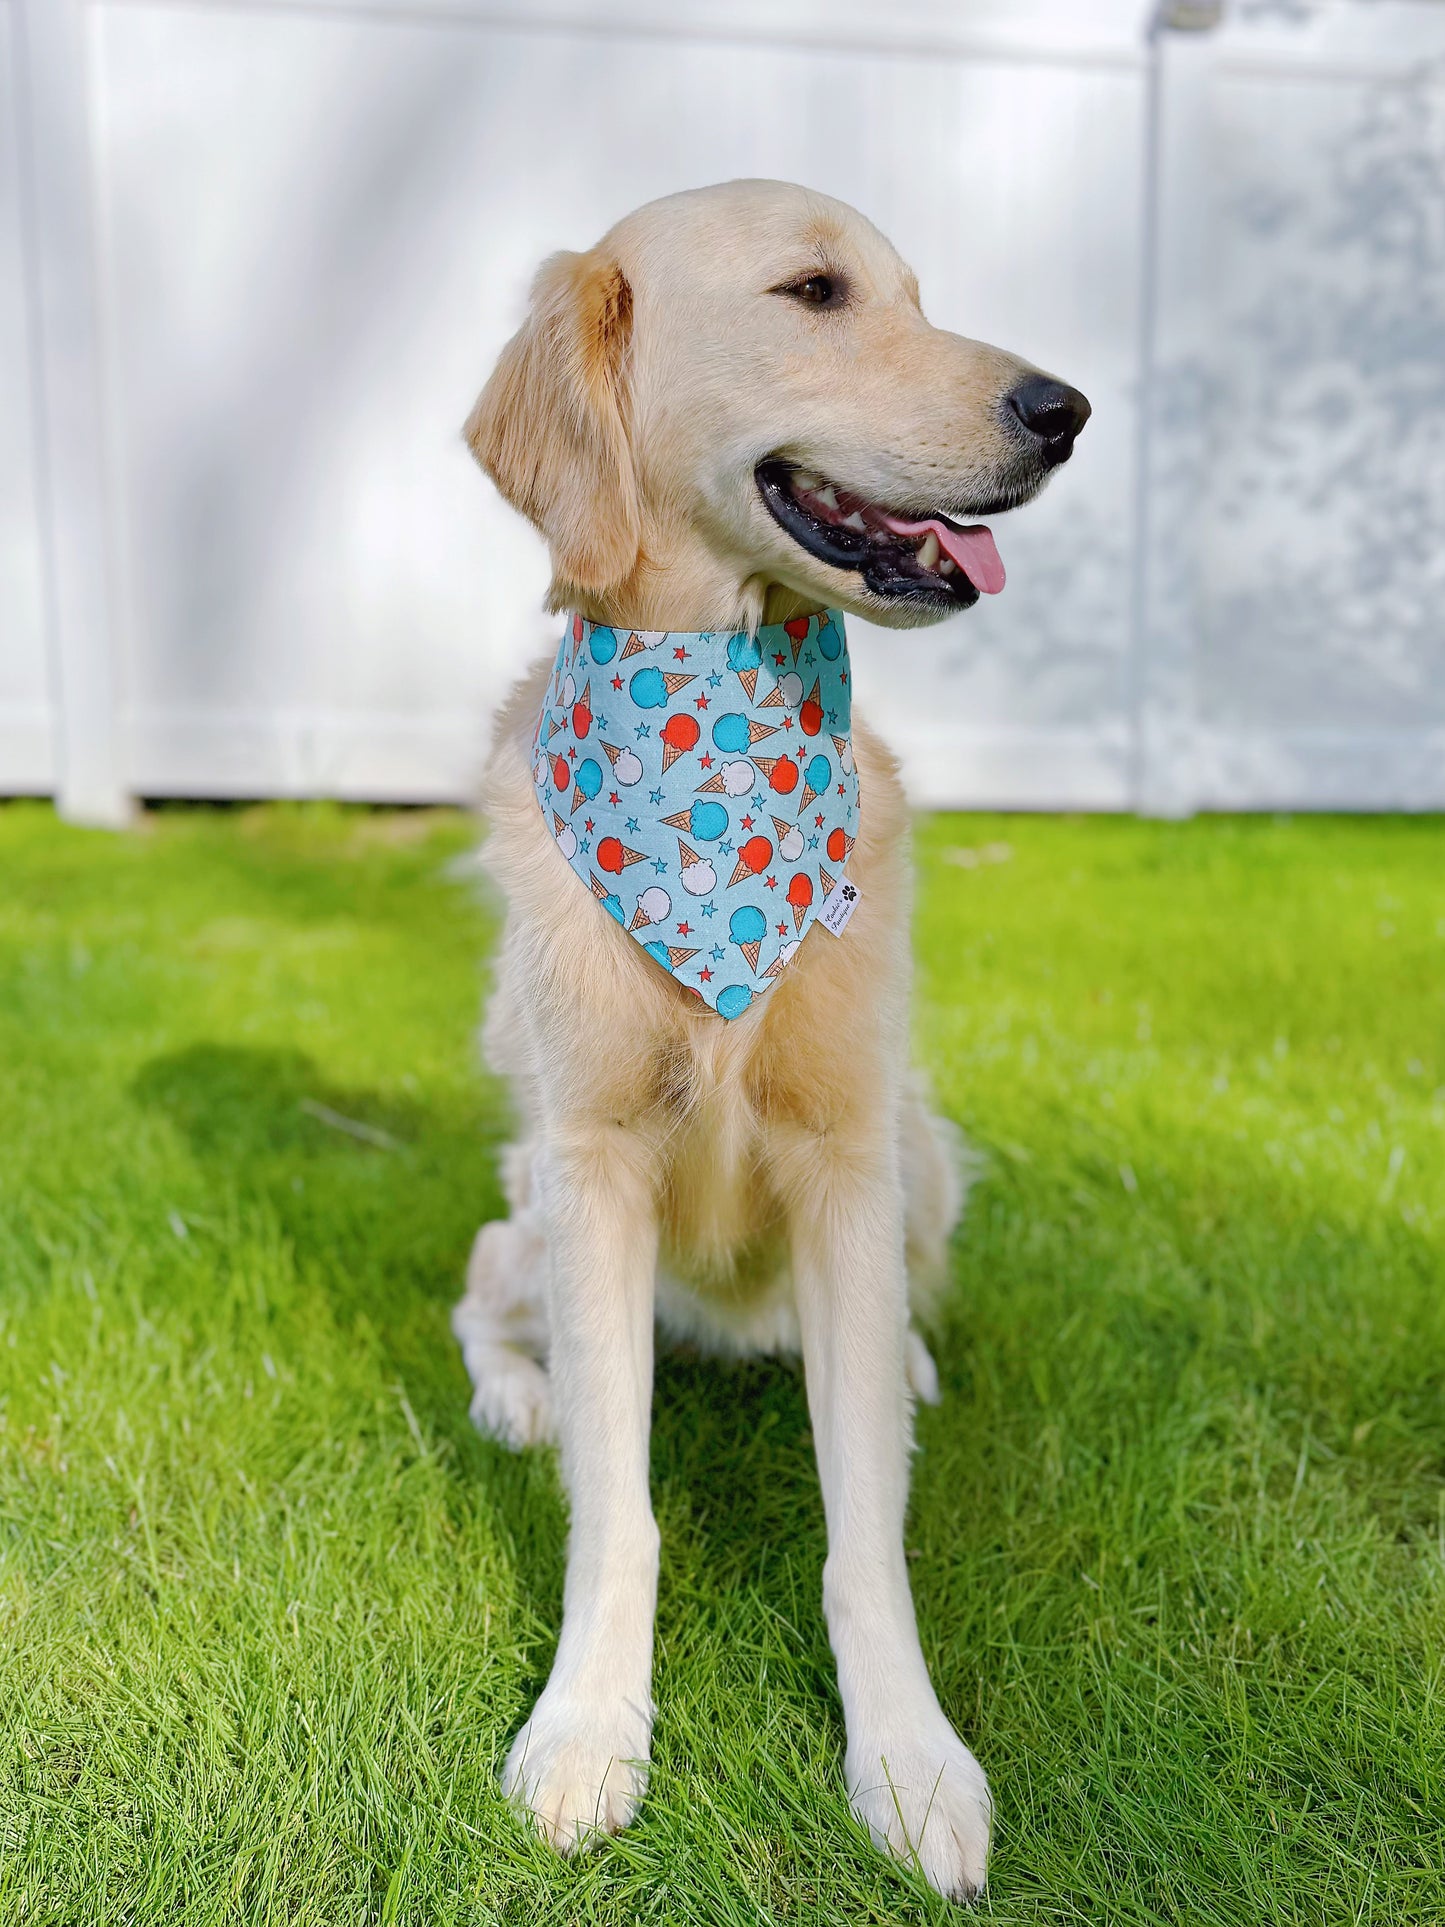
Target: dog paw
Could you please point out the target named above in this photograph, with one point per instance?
(512, 1399)
(578, 1774)
(924, 1799)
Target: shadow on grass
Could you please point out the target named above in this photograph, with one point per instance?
(380, 1195)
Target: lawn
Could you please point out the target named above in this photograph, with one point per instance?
(271, 1610)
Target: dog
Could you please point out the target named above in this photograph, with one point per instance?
(730, 414)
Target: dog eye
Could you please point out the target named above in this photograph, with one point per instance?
(817, 291)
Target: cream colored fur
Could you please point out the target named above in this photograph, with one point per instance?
(774, 1183)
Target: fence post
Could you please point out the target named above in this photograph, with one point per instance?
(1174, 409)
(58, 213)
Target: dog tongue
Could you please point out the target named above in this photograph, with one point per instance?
(972, 549)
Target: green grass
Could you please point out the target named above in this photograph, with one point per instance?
(271, 1610)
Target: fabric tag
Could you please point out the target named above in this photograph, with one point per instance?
(839, 905)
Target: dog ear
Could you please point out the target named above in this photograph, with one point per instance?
(551, 426)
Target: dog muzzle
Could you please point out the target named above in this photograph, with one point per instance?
(702, 786)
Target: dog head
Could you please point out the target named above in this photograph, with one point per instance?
(735, 394)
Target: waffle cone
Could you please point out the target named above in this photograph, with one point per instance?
(749, 680)
(750, 951)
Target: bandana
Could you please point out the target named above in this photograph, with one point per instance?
(702, 786)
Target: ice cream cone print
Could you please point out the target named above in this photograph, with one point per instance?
(758, 731)
(582, 713)
(781, 772)
(800, 911)
(790, 840)
(558, 825)
(753, 858)
(746, 928)
(626, 764)
(634, 646)
(780, 963)
(713, 786)
(797, 631)
(679, 734)
(614, 855)
(826, 882)
(687, 855)
(839, 845)
(816, 778)
(786, 693)
(744, 655)
(599, 888)
(800, 897)
(675, 682)
(682, 821)
(678, 954)
(654, 905)
(810, 711)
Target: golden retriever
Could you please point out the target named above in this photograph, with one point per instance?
(676, 416)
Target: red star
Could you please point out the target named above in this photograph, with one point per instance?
(772, 883)
(843, 675)
(704, 762)
(679, 655)
(787, 722)
(684, 930)
(782, 930)
(747, 822)
(571, 756)
(817, 822)
(612, 798)
(589, 821)
(706, 976)
(841, 790)
(617, 682)
(779, 659)
(701, 702)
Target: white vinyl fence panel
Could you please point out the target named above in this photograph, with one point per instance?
(281, 242)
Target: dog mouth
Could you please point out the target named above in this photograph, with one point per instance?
(930, 559)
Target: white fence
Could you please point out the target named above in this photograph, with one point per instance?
(257, 257)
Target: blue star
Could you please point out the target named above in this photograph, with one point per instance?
(714, 681)
(812, 842)
(832, 719)
(585, 846)
(759, 805)
(643, 729)
(633, 826)
(601, 724)
(655, 796)
(726, 848)
(709, 909)
(809, 658)
(659, 866)
(718, 953)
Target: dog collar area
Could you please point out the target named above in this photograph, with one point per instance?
(702, 786)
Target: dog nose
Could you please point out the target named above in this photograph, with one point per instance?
(1052, 412)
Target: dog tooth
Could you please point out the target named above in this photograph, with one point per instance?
(929, 552)
(947, 565)
(828, 496)
(855, 521)
(805, 478)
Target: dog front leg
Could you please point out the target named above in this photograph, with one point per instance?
(579, 1765)
(911, 1779)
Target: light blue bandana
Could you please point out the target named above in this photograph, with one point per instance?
(702, 787)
